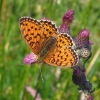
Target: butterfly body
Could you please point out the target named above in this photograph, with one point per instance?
(50, 43)
(44, 40)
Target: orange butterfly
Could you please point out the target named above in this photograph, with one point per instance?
(44, 40)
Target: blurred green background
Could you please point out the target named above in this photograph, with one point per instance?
(57, 83)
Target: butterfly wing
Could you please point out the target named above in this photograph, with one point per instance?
(49, 31)
(36, 33)
(31, 30)
(62, 54)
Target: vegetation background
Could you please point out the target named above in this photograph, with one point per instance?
(56, 86)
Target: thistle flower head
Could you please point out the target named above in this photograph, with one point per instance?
(30, 58)
(66, 21)
(68, 17)
(82, 40)
(84, 33)
(78, 77)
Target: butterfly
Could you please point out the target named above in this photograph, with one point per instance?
(44, 40)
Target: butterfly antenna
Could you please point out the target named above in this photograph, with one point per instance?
(41, 71)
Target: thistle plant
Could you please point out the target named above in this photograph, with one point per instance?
(83, 48)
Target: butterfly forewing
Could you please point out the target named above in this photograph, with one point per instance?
(31, 31)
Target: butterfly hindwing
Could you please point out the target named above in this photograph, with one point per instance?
(62, 54)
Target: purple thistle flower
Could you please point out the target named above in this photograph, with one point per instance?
(83, 44)
(68, 17)
(78, 77)
(66, 21)
(82, 40)
(30, 58)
